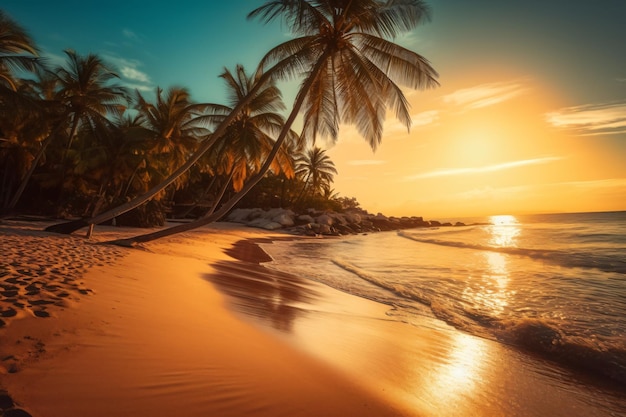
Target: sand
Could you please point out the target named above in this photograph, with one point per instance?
(193, 325)
(133, 332)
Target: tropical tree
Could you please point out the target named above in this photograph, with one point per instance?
(351, 70)
(247, 141)
(249, 138)
(17, 51)
(171, 123)
(316, 169)
(87, 92)
(78, 96)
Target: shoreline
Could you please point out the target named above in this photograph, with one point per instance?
(195, 324)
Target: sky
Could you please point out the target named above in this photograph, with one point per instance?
(529, 117)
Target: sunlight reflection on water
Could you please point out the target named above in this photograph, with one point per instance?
(504, 231)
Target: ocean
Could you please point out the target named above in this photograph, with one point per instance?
(552, 286)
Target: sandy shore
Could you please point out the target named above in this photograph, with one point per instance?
(95, 330)
(194, 326)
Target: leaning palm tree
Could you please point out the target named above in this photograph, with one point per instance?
(246, 142)
(351, 70)
(316, 168)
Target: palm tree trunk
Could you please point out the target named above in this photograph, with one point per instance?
(300, 195)
(31, 170)
(226, 207)
(72, 226)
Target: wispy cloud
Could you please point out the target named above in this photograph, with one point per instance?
(129, 69)
(592, 119)
(129, 34)
(596, 184)
(134, 74)
(420, 119)
(362, 162)
(483, 169)
(484, 95)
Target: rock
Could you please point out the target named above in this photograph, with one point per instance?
(325, 229)
(284, 219)
(305, 219)
(324, 219)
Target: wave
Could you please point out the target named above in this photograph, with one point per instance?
(537, 336)
(569, 259)
(540, 337)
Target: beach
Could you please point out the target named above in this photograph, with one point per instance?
(194, 325)
(152, 337)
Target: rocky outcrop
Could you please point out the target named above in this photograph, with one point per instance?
(327, 223)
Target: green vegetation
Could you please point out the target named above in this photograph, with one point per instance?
(74, 143)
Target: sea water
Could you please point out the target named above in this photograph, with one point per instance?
(553, 285)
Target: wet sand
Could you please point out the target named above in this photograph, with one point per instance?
(196, 326)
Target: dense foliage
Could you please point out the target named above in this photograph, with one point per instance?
(74, 142)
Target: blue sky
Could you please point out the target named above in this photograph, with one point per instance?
(530, 115)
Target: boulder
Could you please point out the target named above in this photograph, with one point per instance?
(324, 219)
(284, 219)
(305, 219)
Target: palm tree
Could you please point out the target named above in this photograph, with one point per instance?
(171, 124)
(246, 142)
(351, 71)
(31, 118)
(14, 42)
(87, 92)
(84, 91)
(316, 168)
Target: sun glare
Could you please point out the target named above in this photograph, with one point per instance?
(504, 230)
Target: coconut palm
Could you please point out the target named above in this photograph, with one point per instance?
(84, 91)
(317, 170)
(87, 91)
(14, 43)
(30, 119)
(170, 122)
(351, 70)
(246, 142)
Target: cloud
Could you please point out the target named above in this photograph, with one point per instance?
(366, 162)
(420, 119)
(128, 68)
(134, 74)
(483, 169)
(592, 119)
(140, 87)
(619, 183)
(485, 94)
(425, 118)
(129, 34)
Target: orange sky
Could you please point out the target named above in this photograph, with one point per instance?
(530, 117)
(487, 148)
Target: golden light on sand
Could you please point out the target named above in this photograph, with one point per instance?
(461, 373)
